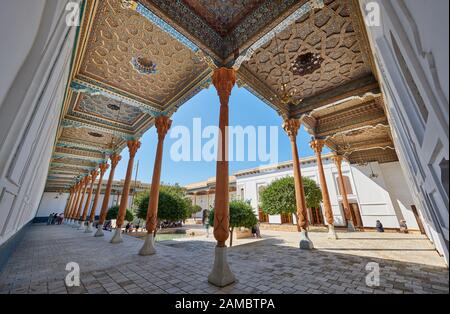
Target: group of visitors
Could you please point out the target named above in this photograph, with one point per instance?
(55, 219)
(130, 227)
(403, 227)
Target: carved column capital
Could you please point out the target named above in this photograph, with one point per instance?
(224, 79)
(291, 127)
(162, 124)
(103, 167)
(317, 145)
(115, 158)
(133, 147)
(338, 160)
(94, 174)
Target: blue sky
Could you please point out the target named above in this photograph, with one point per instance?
(245, 110)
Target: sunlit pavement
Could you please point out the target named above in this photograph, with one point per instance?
(274, 264)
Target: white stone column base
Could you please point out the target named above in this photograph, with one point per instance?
(221, 274)
(99, 232)
(332, 233)
(88, 228)
(117, 237)
(305, 242)
(76, 224)
(81, 225)
(149, 246)
(350, 226)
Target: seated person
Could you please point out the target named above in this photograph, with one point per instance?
(403, 227)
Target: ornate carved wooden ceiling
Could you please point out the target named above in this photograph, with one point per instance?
(357, 128)
(135, 60)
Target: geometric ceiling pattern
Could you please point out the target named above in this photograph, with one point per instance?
(136, 60)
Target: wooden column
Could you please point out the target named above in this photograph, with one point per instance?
(115, 158)
(348, 216)
(224, 80)
(162, 124)
(317, 145)
(69, 201)
(92, 179)
(103, 167)
(85, 184)
(133, 147)
(76, 199)
(291, 126)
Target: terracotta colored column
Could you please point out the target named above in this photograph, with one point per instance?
(92, 179)
(291, 126)
(133, 147)
(115, 158)
(221, 274)
(76, 202)
(317, 145)
(162, 124)
(103, 167)
(71, 213)
(69, 201)
(348, 216)
(85, 184)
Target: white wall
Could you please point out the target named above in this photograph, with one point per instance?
(411, 50)
(38, 53)
(49, 204)
(385, 198)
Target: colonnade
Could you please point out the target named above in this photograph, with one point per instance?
(221, 275)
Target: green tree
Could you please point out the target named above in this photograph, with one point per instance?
(171, 205)
(241, 215)
(114, 211)
(279, 197)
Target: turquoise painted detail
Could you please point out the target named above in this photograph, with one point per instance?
(141, 9)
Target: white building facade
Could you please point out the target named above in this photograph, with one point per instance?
(375, 192)
(409, 40)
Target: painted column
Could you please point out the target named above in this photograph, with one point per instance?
(348, 216)
(133, 147)
(74, 203)
(92, 179)
(85, 184)
(69, 203)
(291, 126)
(221, 274)
(115, 158)
(163, 125)
(317, 145)
(103, 167)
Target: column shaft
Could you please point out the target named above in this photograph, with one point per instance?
(83, 194)
(115, 158)
(162, 124)
(103, 168)
(224, 80)
(317, 146)
(94, 175)
(133, 146)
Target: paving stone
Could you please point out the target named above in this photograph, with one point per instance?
(182, 266)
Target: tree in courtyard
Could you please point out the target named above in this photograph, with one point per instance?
(241, 215)
(114, 211)
(279, 197)
(172, 204)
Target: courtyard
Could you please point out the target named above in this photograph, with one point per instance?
(273, 265)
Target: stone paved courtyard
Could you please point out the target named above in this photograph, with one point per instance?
(408, 264)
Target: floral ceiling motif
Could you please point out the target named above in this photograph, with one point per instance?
(118, 35)
(223, 15)
(332, 33)
(105, 108)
